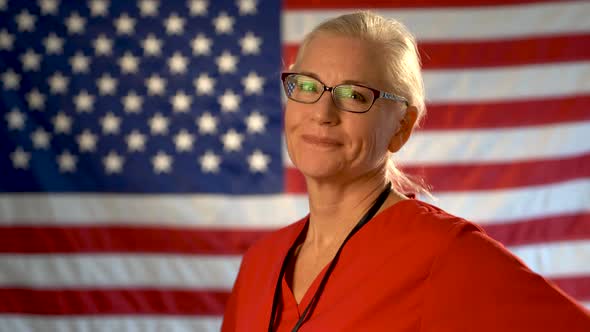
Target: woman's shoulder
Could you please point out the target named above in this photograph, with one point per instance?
(416, 218)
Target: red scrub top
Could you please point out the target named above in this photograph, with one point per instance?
(413, 267)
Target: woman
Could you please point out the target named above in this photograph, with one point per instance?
(368, 258)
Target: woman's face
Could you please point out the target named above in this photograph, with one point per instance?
(326, 142)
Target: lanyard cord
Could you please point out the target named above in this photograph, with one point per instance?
(376, 206)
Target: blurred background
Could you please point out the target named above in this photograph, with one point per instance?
(141, 146)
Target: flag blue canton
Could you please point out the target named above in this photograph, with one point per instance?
(146, 96)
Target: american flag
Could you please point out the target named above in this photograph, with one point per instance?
(141, 146)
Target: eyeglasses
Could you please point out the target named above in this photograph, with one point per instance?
(347, 97)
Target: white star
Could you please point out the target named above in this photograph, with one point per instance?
(174, 24)
(156, 85)
(62, 123)
(125, 24)
(107, 85)
(58, 83)
(129, 63)
(113, 163)
(258, 162)
(181, 102)
(67, 162)
(250, 43)
(247, 7)
(204, 84)
(84, 102)
(15, 119)
(40, 138)
(30, 60)
(6, 40)
(98, 7)
(177, 63)
(48, 7)
(87, 141)
(232, 140)
(53, 44)
(36, 100)
(132, 102)
(136, 141)
(20, 158)
(110, 123)
(226, 62)
(184, 141)
(207, 124)
(152, 46)
(201, 45)
(210, 162)
(223, 23)
(253, 83)
(80, 63)
(148, 7)
(162, 163)
(256, 123)
(103, 45)
(198, 7)
(229, 101)
(158, 124)
(25, 21)
(75, 23)
(10, 79)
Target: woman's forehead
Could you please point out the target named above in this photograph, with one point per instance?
(336, 59)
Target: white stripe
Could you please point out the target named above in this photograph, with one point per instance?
(433, 147)
(28, 323)
(463, 23)
(496, 145)
(503, 206)
(162, 210)
(507, 83)
(479, 206)
(554, 260)
(122, 270)
(184, 272)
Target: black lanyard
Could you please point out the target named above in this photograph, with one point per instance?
(376, 206)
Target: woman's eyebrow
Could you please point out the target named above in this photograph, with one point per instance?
(343, 82)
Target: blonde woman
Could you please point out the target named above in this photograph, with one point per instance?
(368, 258)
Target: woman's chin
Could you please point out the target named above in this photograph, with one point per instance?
(318, 170)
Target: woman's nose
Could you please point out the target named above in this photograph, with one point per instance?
(325, 111)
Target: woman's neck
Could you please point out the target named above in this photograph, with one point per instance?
(336, 207)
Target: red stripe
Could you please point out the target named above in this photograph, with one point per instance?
(356, 4)
(157, 302)
(578, 287)
(95, 239)
(111, 301)
(464, 54)
(489, 176)
(542, 230)
(507, 113)
(118, 239)
(493, 53)
(511, 174)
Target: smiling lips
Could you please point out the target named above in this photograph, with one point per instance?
(321, 141)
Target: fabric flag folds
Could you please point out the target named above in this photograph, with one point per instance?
(141, 146)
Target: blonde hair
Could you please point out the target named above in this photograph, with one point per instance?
(403, 70)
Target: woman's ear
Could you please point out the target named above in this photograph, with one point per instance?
(404, 130)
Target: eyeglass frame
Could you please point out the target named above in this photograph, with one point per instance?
(376, 93)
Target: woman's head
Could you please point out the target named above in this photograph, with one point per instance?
(326, 141)
(397, 48)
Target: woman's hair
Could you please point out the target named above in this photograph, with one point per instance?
(403, 71)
